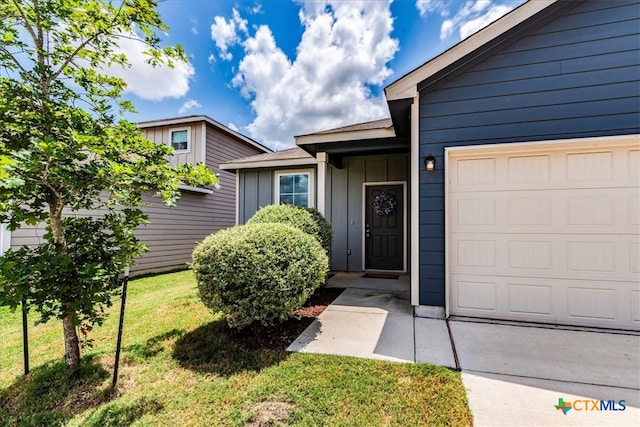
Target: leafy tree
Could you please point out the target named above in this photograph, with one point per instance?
(64, 148)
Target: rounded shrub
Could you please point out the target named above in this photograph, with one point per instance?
(308, 220)
(258, 272)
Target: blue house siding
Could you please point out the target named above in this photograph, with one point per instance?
(576, 76)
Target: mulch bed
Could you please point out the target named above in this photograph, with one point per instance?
(278, 337)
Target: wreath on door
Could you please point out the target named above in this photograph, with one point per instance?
(384, 204)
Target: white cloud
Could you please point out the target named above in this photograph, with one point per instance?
(146, 81)
(194, 26)
(189, 104)
(431, 6)
(471, 26)
(232, 126)
(469, 18)
(343, 52)
(225, 33)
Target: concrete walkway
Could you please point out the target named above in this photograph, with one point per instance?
(514, 373)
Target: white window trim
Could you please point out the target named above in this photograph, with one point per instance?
(188, 129)
(286, 172)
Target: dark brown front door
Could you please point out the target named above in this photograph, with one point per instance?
(384, 227)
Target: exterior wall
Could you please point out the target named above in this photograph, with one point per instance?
(170, 235)
(222, 148)
(162, 136)
(255, 190)
(344, 207)
(173, 232)
(575, 77)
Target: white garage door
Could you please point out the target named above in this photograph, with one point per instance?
(545, 232)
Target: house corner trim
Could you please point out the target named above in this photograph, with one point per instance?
(415, 200)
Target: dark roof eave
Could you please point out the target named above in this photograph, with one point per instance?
(339, 150)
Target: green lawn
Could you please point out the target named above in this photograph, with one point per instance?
(181, 366)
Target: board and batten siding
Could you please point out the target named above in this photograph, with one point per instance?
(256, 189)
(162, 136)
(344, 199)
(576, 76)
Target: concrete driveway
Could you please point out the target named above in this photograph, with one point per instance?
(514, 374)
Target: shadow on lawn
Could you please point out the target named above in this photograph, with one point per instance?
(215, 348)
(153, 346)
(48, 396)
(118, 414)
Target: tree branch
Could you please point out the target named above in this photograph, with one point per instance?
(13, 58)
(27, 24)
(86, 42)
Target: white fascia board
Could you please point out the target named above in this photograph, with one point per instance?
(268, 164)
(353, 135)
(406, 86)
(206, 119)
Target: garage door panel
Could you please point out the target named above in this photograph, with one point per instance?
(477, 253)
(493, 297)
(533, 169)
(560, 169)
(534, 299)
(546, 234)
(633, 208)
(589, 167)
(592, 211)
(634, 259)
(477, 295)
(581, 256)
(529, 255)
(563, 301)
(591, 303)
(635, 306)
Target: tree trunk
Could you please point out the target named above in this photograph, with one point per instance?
(71, 342)
(71, 346)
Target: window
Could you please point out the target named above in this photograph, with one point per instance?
(180, 139)
(295, 188)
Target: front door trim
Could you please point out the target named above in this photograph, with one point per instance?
(404, 221)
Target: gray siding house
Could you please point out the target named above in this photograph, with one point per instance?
(510, 166)
(172, 232)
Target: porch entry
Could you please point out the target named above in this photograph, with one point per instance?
(384, 232)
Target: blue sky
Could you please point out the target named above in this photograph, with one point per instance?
(275, 69)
